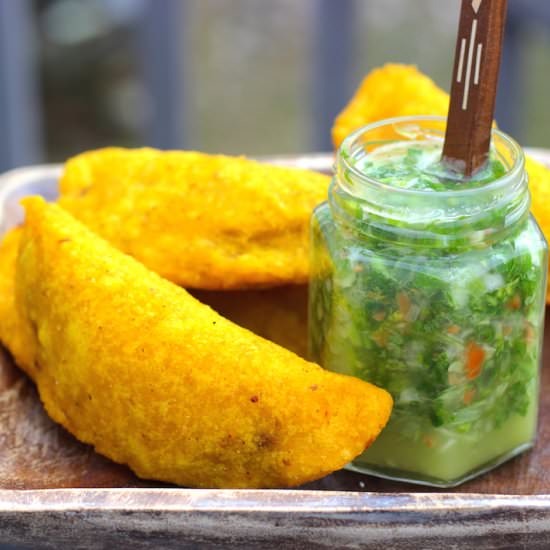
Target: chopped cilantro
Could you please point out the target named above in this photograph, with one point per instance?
(451, 330)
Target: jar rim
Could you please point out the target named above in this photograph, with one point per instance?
(344, 154)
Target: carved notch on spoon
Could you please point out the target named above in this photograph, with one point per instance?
(474, 88)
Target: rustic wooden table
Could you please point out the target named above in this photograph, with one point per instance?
(56, 492)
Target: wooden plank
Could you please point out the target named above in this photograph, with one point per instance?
(333, 55)
(270, 519)
(160, 35)
(20, 109)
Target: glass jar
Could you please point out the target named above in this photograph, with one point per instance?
(437, 296)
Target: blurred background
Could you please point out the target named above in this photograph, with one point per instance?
(233, 76)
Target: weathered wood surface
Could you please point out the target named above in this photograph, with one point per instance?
(90, 502)
(271, 519)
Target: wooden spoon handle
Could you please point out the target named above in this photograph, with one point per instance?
(474, 87)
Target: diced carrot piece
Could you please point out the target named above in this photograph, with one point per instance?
(379, 316)
(404, 303)
(529, 332)
(453, 329)
(469, 396)
(381, 338)
(475, 355)
(515, 302)
(428, 441)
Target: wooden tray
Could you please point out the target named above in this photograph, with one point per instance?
(58, 493)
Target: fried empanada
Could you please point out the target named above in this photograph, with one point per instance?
(390, 91)
(201, 221)
(137, 367)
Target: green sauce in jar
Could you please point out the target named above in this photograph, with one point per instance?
(418, 166)
(432, 286)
